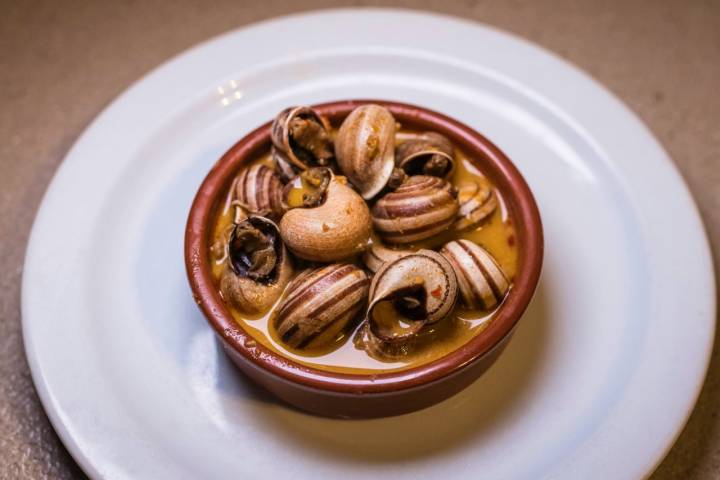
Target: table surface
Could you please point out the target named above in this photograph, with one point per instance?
(61, 63)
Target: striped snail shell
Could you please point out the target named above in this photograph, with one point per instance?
(259, 191)
(420, 208)
(285, 170)
(427, 153)
(477, 203)
(258, 267)
(483, 285)
(320, 304)
(410, 292)
(301, 136)
(379, 253)
(365, 148)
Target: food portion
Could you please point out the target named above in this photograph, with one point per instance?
(362, 247)
(365, 148)
(320, 304)
(301, 139)
(326, 219)
(256, 265)
(427, 153)
(406, 296)
(420, 208)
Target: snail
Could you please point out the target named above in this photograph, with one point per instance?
(420, 208)
(483, 285)
(301, 137)
(327, 220)
(320, 304)
(258, 190)
(364, 148)
(409, 293)
(477, 203)
(285, 170)
(379, 253)
(258, 268)
(427, 153)
(365, 340)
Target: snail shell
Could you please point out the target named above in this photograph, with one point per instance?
(420, 208)
(285, 170)
(336, 229)
(365, 339)
(482, 282)
(320, 304)
(365, 146)
(301, 137)
(258, 190)
(408, 293)
(477, 203)
(378, 253)
(428, 153)
(258, 266)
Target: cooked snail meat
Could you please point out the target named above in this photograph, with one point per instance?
(301, 137)
(308, 189)
(410, 292)
(397, 177)
(428, 153)
(257, 267)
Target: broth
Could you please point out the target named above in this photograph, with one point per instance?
(496, 234)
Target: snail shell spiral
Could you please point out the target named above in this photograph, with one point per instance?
(421, 207)
(483, 285)
(259, 191)
(320, 303)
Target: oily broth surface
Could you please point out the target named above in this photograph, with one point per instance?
(496, 235)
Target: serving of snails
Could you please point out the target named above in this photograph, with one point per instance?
(358, 245)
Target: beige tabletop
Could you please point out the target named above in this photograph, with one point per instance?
(62, 62)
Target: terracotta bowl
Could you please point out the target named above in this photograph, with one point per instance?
(361, 396)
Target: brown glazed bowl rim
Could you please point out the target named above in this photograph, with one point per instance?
(519, 201)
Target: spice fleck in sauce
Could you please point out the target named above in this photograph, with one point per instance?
(496, 234)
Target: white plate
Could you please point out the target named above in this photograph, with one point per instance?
(597, 382)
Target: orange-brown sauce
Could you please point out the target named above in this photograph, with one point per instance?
(496, 234)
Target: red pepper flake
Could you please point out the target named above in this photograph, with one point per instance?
(511, 240)
(325, 227)
(437, 292)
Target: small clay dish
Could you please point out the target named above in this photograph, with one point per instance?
(355, 395)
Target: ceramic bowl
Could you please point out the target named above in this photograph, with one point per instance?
(355, 395)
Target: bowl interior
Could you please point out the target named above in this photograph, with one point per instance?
(486, 156)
